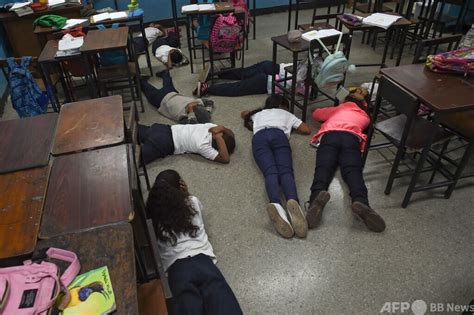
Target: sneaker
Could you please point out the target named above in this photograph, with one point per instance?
(315, 210)
(208, 105)
(372, 220)
(204, 74)
(201, 89)
(280, 221)
(298, 221)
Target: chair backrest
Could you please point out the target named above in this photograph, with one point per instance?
(427, 47)
(430, 15)
(333, 8)
(403, 101)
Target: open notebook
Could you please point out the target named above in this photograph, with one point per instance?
(198, 7)
(109, 16)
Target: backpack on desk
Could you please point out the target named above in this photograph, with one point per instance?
(27, 98)
(32, 289)
(226, 34)
(457, 61)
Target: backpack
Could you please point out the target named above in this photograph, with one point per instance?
(456, 61)
(27, 98)
(112, 57)
(32, 288)
(331, 71)
(226, 34)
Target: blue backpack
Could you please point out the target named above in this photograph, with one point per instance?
(112, 57)
(27, 98)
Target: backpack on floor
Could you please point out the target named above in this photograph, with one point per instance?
(33, 287)
(332, 70)
(27, 98)
(226, 34)
(456, 61)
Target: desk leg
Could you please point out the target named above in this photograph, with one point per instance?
(188, 36)
(48, 85)
(274, 58)
(387, 44)
(254, 16)
(404, 32)
(293, 82)
(89, 76)
(289, 14)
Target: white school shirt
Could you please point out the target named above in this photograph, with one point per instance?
(163, 51)
(275, 118)
(187, 246)
(194, 139)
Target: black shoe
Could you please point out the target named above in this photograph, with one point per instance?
(372, 219)
(161, 73)
(315, 210)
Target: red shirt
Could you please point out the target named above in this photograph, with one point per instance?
(344, 117)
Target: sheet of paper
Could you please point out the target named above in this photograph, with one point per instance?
(309, 36)
(381, 20)
(189, 8)
(73, 22)
(69, 42)
(53, 3)
(207, 7)
(100, 17)
(19, 5)
(118, 15)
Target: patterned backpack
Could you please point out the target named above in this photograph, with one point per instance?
(457, 61)
(226, 34)
(27, 98)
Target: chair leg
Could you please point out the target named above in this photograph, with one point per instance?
(145, 174)
(437, 164)
(460, 168)
(393, 172)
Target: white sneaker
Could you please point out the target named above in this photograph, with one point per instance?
(298, 220)
(278, 216)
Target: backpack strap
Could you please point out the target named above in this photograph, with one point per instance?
(71, 272)
(25, 61)
(337, 46)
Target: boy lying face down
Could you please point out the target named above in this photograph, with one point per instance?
(213, 142)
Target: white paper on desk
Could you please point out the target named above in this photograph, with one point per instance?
(381, 20)
(189, 8)
(56, 3)
(73, 22)
(100, 17)
(311, 35)
(118, 15)
(68, 42)
(19, 5)
(207, 7)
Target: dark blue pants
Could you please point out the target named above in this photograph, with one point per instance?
(272, 153)
(157, 141)
(253, 80)
(339, 148)
(154, 95)
(199, 287)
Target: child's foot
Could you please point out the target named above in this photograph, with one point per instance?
(372, 219)
(201, 89)
(315, 210)
(160, 74)
(280, 221)
(208, 105)
(298, 221)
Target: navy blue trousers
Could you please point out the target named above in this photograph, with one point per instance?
(199, 287)
(272, 153)
(339, 148)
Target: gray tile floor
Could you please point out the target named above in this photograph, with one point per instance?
(340, 268)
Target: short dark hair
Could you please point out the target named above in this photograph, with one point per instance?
(229, 143)
(176, 57)
(276, 101)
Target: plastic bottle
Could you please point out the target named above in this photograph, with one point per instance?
(469, 38)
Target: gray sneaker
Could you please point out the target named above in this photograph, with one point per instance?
(298, 221)
(280, 221)
(315, 210)
(371, 219)
(208, 105)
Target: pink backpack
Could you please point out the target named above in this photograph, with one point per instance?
(32, 289)
(226, 34)
(456, 61)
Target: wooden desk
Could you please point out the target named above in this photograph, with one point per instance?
(89, 124)
(21, 202)
(110, 246)
(26, 143)
(440, 92)
(87, 190)
(19, 29)
(110, 38)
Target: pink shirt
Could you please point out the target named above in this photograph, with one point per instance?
(344, 117)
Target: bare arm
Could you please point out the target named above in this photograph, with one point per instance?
(303, 129)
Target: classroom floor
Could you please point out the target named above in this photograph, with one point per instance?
(340, 268)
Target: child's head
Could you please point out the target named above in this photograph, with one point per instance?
(359, 96)
(229, 143)
(169, 208)
(276, 101)
(176, 56)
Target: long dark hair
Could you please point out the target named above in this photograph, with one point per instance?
(273, 101)
(169, 208)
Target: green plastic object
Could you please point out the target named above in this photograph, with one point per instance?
(133, 5)
(51, 20)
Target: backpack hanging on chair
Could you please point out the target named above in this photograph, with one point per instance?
(26, 97)
(226, 34)
(332, 70)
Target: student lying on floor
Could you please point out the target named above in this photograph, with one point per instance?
(166, 50)
(213, 142)
(254, 81)
(340, 141)
(272, 127)
(175, 106)
(197, 285)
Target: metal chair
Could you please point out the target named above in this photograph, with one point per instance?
(426, 47)
(338, 5)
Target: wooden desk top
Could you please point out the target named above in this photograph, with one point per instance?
(58, 11)
(399, 23)
(26, 143)
(110, 246)
(21, 204)
(221, 7)
(87, 190)
(110, 38)
(89, 124)
(440, 92)
(301, 45)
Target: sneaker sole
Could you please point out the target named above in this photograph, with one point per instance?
(298, 220)
(315, 214)
(282, 227)
(373, 221)
(198, 92)
(204, 74)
